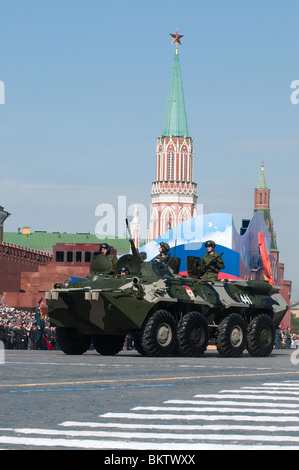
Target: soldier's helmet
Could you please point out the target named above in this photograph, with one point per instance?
(210, 243)
(105, 245)
(165, 247)
(124, 270)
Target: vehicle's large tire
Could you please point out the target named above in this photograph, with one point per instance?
(231, 336)
(108, 345)
(193, 334)
(71, 341)
(261, 336)
(159, 333)
(137, 344)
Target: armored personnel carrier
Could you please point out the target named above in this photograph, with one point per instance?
(165, 313)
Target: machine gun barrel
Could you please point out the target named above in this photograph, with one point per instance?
(133, 247)
(203, 269)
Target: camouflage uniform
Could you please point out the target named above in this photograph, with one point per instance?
(164, 259)
(212, 271)
(113, 260)
(211, 263)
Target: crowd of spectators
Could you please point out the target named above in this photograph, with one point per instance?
(18, 330)
(286, 339)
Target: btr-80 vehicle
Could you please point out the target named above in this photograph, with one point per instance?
(166, 314)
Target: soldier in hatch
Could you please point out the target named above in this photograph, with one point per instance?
(124, 271)
(164, 255)
(212, 262)
(105, 250)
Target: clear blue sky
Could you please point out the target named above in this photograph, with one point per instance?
(86, 85)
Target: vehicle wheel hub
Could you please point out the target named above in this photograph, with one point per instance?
(164, 334)
(236, 336)
(265, 337)
(195, 335)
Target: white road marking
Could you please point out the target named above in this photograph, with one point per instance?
(214, 409)
(132, 445)
(152, 435)
(199, 417)
(288, 389)
(258, 390)
(231, 402)
(182, 427)
(235, 394)
(215, 417)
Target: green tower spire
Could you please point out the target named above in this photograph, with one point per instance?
(262, 184)
(175, 120)
(262, 205)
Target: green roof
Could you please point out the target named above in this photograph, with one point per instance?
(175, 121)
(44, 241)
(262, 184)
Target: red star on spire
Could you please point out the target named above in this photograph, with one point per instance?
(176, 37)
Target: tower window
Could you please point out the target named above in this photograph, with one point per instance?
(183, 169)
(170, 165)
(261, 198)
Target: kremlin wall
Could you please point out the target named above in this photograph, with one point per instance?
(26, 273)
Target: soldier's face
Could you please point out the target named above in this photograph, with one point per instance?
(104, 251)
(210, 249)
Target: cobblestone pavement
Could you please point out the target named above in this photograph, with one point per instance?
(52, 401)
